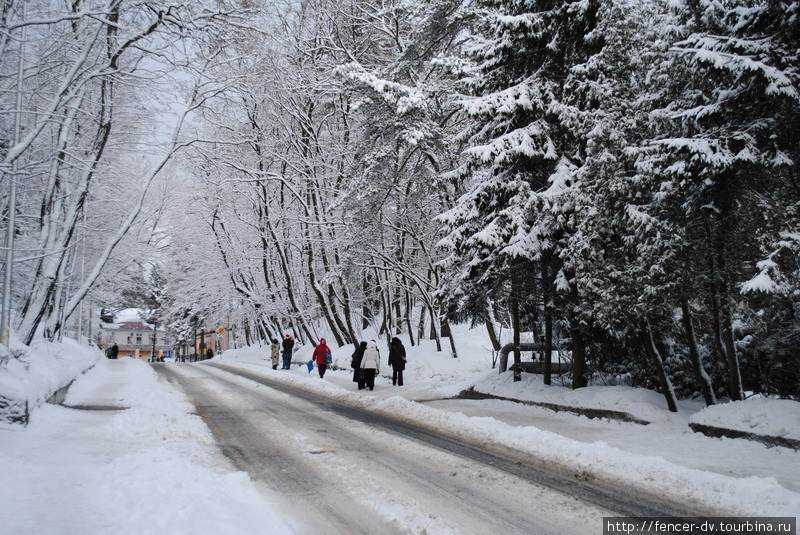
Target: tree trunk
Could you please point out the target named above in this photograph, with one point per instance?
(323, 302)
(398, 314)
(283, 261)
(341, 324)
(655, 356)
(490, 329)
(579, 369)
(703, 380)
(348, 316)
(409, 306)
(446, 327)
(421, 327)
(435, 331)
(547, 288)
(365, 293)
(713, 288)
(516, 334)
(547, 366)
(735, 389)
(386, 305)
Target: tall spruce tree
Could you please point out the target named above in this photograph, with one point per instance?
(522, 155)
(619, 292)
(723, 153)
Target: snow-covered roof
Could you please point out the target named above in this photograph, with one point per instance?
(127, 326)
(135, 326)
(130, 319)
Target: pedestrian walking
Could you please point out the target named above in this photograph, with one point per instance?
(288, 344)
(397, 361)
(209, 354)
(276, 350)
(114, 351)
(355, 363)
(322, 357)
(371, 364)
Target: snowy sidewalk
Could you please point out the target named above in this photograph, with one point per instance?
(151, 468)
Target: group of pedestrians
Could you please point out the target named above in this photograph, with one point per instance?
(286, 355)
(365, 362)
(113, 351)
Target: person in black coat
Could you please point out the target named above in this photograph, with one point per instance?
(355, 363)
(397, 360)
(288, 344)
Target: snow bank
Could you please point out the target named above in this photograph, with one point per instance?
(757, 415)
(640, 403)
(151, 468)
(30, 375)
(598, 461)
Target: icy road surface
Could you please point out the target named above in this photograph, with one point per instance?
(345, 470)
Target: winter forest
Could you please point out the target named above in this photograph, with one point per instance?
(614, 177)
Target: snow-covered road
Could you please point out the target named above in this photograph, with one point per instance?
(393, 459)
(343, 470)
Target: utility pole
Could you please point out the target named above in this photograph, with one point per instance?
(5, 313)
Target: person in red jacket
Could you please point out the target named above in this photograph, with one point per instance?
(322, 357)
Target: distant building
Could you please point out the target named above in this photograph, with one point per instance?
(217, 338)
(135, 339)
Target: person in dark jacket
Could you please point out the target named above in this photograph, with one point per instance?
(114, 351)
(355, 363)
(288, 344)
(397, 361)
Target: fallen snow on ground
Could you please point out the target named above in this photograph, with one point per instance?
(640, 403)
(716, 492)
(154, 468)
(30, 375)
(758, 415)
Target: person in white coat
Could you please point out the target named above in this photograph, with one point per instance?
(371, 364)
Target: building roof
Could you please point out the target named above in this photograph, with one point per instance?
(134, 326)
